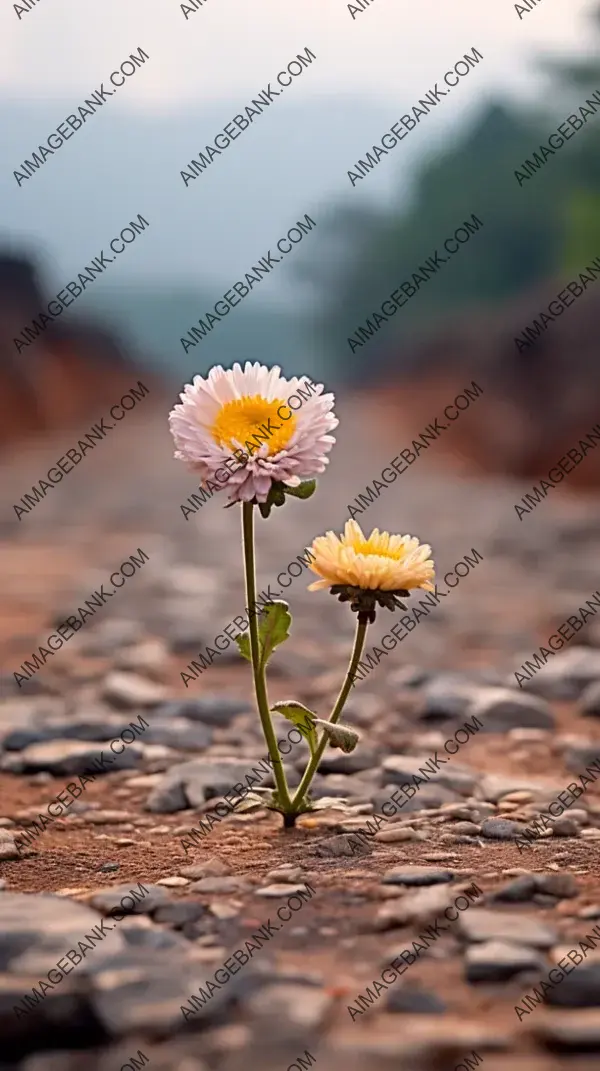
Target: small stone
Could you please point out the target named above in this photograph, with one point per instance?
(291, 873)
(223, 885)
(289, 1010)
(149, 657)
(580, 752)
(561, 886)
(400, 770)
(126, 691)
(446, 698)
(521, 890)
(277, 891)
(394, 836)
(107, 818)
(581, 988)
(496, 961)
(60, 757)
(212, 709)
(495, 787)
(466, 829)
(342, 845)
(500, 829)
(8, 848)
(414, 1001)
(415, 907)
(106, 900)
(502, 709)
(479, 924)
(565, 827)
(211, 868)
(417, 875)
(567, 674)
(173, 882)
(108, 868)
(571, 1032)
(191, 784)
(590, 912)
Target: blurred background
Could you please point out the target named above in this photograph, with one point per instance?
(203, 237)
(294, 160)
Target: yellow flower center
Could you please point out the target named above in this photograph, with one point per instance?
(252, 421)
(368, 546)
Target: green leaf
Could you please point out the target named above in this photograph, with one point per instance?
(276, 497)
(303, 718)
(273, 629)
(341, 736)
(303, 490)
(243, 642)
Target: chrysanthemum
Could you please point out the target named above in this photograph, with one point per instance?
(379, 563)
(219, 422)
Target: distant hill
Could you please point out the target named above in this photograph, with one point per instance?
(151, 320)
(120, 164)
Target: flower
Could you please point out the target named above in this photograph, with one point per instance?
(379, 563)
(234, 422)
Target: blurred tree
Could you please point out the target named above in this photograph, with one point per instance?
(531, 232)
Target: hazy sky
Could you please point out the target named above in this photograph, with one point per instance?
(225, 53)
(64, 47)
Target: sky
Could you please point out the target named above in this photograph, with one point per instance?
(60, 47)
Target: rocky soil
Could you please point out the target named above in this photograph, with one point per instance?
(373, 896)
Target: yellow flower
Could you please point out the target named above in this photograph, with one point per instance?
(381, 562)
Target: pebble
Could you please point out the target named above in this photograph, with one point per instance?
(417, 875)
(107, 818)
(68, 757)
(288, 873)
(502, 709)
(520, 890)
(288, 1010)
(173, 882)
(343, 845)
(191, 784)
(414, 1001)
(581, 987)
(590, 700)
(500, 829)
(400, 770)
(393, 836)
(564, 826)
(127, 691)
(571, 1032)
(211, 868)
(590, 912)
(106, 900)
(213, 709)
(415, 907)
(466, 828)
(496, 961)
(479, 924)
(277, 891)
(224, 885)
(568, 674)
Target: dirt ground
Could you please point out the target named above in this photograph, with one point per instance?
(532, 574)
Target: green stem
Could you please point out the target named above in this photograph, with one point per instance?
(359, 640)
(258, 670)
